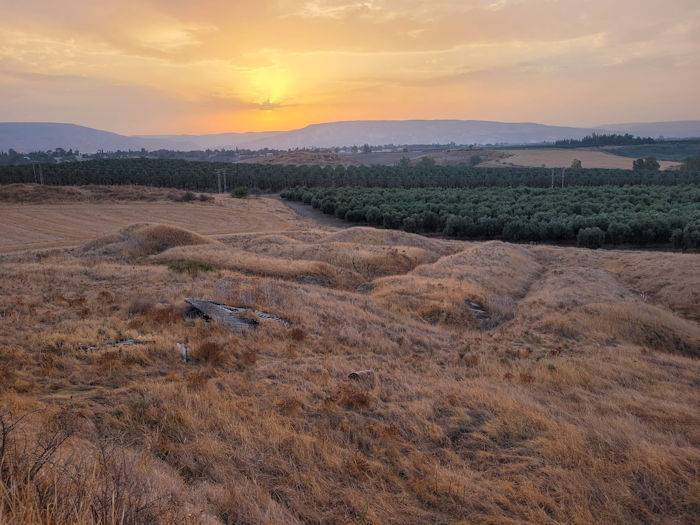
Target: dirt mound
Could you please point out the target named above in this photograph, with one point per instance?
(285, 268)
(140, 240)
(502, 268)
(487, 276)
(363, 251)
(669, 278)
(373, 236)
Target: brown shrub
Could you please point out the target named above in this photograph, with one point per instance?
(196, 380)
(248, 357)
(164, 315)
(290, 406)
(140, 305)
(297, 334)
(354, 398)
(211, 352)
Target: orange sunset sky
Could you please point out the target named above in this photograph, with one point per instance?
(176, 66)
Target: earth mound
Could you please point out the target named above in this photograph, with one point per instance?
(141, 240)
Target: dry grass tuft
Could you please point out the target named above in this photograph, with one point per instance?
(297, 334)
(212, 352)
(354, 398)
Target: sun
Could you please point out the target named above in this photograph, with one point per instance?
(269, 87)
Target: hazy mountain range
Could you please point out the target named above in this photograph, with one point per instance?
(39, 136)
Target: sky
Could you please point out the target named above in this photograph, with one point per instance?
(209, 66)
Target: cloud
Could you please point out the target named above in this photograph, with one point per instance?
(174, 62)
(119, 107)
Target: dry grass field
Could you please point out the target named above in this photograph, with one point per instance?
(307, 158)
(34, 218)
(562, 158)
(513, 384)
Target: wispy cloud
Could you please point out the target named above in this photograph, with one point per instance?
(244, 65)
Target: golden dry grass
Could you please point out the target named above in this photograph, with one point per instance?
(44, 194)
(307, 158)
(73, 222)
(140, 240)
(666, 278)
(574, 402)
(562, 158)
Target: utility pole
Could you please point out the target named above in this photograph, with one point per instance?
(562, 176)
(34, 171)
(218, 180)
(41, 176)
(552, 177)
(224, 173)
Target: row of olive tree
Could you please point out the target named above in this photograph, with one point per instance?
(205, 176)
(640, 215)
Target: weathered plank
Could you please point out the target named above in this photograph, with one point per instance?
(231, 315)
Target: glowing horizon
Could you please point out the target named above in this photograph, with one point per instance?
(160, 67)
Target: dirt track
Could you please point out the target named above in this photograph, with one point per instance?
(36, 226)
(320, 218)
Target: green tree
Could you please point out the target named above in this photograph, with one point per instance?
(240, 192)
(618, 232)
(691, 164)
(590, 237)
(426, 162)
(651, 163)
(576, 164)
(373, 215)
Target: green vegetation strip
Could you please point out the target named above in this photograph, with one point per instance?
(190, 266)
(591, 216)
(205, 176)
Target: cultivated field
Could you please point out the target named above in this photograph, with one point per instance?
(534, 157)
(512, 383)
(56, 217)
(562, 158)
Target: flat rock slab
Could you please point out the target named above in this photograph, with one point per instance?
(233, 316)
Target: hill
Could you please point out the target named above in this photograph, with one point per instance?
(41, 136)
(33, 136)
(671, 130)
(511, 383)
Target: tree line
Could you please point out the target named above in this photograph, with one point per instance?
(611, 139)
(590, 216)
(204, 176)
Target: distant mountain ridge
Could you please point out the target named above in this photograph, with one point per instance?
(42, 136)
